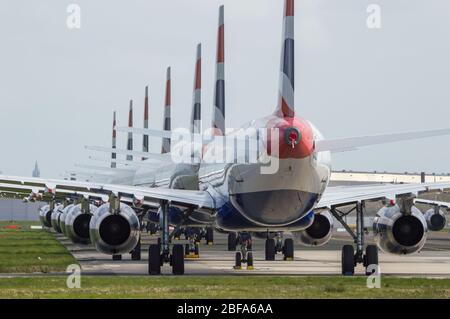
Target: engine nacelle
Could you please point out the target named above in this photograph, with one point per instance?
(397, 233)
(436, 220)
(45, 216)
(62, 218)
(320, 231)
(77, 224)
(56, 214)
(116, 233)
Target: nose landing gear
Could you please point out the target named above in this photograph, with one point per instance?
(245, 255)
(209, 236)
(192, 249)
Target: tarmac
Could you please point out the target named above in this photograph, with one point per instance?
(432, 261)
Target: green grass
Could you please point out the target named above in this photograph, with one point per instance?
(222, 287)
(25, 250)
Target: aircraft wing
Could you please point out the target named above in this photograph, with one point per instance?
(342, 195)
(432, 202)
(184, 198)
(353, 143)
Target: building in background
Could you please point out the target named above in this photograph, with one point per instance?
(36, 171)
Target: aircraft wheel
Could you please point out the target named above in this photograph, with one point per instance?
(209, 236)
(178, 259)
(238, 260)
(270, 249)
(288, 249)
(151, 228)
(159, 242)
(197, 250)
(249, 260)
(154, 259)
(348, 260)
(186, 249)
(117, 257)
(371, 257)
(232, 241)
(177, 234)
(136, 252)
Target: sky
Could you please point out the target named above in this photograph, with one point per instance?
(59, 86)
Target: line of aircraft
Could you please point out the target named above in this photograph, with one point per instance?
(267, 179)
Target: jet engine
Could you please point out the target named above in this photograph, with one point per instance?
(114, 233)
(399, 233)
(320, 231)
(56, 214)
(45, 216)
(62, 218)
(436, 219)
(77, 223)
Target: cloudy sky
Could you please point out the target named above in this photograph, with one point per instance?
(59, 86)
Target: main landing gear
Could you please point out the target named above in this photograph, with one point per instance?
(350, 258)
(274, 246)
(232, 241)
(160, 253)
(245, 256)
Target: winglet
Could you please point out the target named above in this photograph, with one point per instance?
(286, 101)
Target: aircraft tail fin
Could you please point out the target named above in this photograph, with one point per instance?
(145, 137)
(167, 117)
(218, 123)
(114, 143)
(130, 134)
(286, 100)
(196, 116)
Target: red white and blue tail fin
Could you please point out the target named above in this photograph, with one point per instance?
(218, 122)
(114, 143)
(286, 102)
(145, 136)
(167, 118)
(196, 115)
(130, 134)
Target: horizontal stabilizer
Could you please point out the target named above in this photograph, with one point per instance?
(144, 163)
(90, 174)
(168, 134)
(106, 169)
(160, 157)
(145, 131)
(353, 143)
